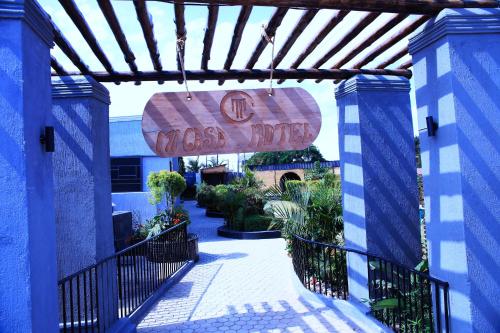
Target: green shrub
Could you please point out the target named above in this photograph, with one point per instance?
(165, 183)
(257, 222)
(311, 209)
(206, 195)
(316, 173)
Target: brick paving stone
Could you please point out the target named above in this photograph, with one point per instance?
(243, 286)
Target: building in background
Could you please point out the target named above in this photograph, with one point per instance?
(278, 174)
(131, 162)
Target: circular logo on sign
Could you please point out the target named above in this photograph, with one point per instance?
(237, 106)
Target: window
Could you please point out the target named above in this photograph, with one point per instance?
(126, 174)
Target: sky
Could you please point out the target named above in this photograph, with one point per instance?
(129, 99)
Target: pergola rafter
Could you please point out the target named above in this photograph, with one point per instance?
(114, 24)
(68, 50)
(270, 31)
(246, 74)
(304, 21)
(82, 25)
(373, 8)
(400, 54)
(180, 31)
(57, 66)
(238, 32)
(388, 6)
(327, 28)
(147, 29)
(213, 14)
(393, 40)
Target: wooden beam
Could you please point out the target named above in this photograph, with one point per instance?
(370, 40)
(406, 65)
(213, 13)
(391, 6)
(246, 74)
(147, 30)
(304, 21)
(327, 28)
(114, 24)
(57, 66)
(238, 32)
(350, 35)
(180, 30)
(270, 30)
(400, 54)
(77, 17)
(68, 50)
(391, 41)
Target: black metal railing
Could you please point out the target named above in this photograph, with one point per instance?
(401, 297)
(94, 298)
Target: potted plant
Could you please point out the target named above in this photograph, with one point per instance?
(171, 246)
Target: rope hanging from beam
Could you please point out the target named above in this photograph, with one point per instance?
(270, 40)
(181, 42)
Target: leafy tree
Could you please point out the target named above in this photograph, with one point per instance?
(194, 165)
(316, 173)
(213, 162)
(182, 166)
(310, 154)
(165, 184)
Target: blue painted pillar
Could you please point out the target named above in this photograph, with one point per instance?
(82, 182)
(378, 173)
(456, 61)
(82, 179)
(28, 279)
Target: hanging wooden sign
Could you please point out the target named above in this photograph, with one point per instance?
(221, 122)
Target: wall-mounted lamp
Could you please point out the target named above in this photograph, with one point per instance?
(47, 139)
(432, 126)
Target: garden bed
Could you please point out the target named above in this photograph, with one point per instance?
(224, 231)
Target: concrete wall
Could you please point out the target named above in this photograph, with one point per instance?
(272, 178)
(28, 277)
(137, 203)
(457, 81)
(81, 173)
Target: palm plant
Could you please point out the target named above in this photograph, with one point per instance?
(290, 212)
(194, 165)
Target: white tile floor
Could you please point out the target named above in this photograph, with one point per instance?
(244, 286)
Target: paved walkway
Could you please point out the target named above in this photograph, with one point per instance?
(245, 286)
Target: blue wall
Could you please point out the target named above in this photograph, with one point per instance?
(28, 277)
(378, 169)
(457, 80)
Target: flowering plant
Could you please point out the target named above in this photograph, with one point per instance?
(162, 221)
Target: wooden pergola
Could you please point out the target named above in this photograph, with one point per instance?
(426, 9)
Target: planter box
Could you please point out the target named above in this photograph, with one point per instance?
(160, 251)
(194, 253)
(176, 251)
